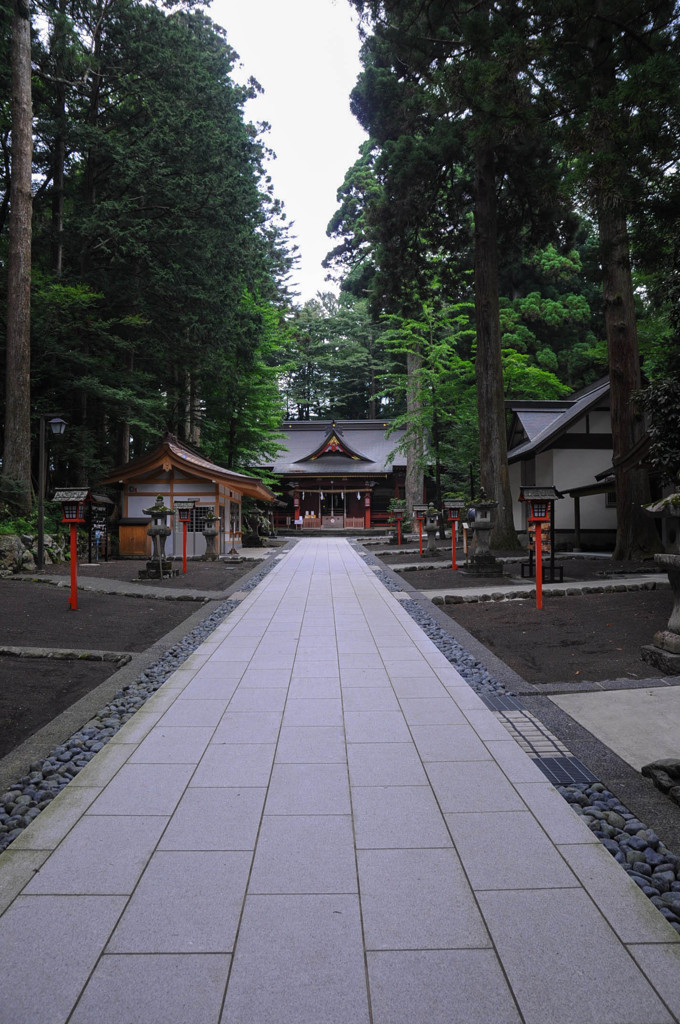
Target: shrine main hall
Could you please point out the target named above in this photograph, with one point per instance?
(338, 474)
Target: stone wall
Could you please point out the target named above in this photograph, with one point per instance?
(18, 553)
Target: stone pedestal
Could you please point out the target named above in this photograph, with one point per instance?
(158, 567)
(211, 532)
(664, 651)
(480, 560)
(431, 527)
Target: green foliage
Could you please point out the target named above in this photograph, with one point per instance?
(661, 401)
(159, 250)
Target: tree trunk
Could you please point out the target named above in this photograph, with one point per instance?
(493, 450)
(16, 466)
(413, 488)
(636, 536)
(59, 147)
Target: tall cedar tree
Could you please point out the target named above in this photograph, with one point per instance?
(614, 69)
(463, 103)
(16, 460)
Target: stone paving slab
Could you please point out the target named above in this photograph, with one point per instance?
(317, 821)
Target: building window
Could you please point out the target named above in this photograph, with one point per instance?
(610, 499)
(198, 518)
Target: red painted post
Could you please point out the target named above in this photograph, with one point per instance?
(73, 599)
(539, 566)
(420, 535)
(184, 546)
(454, 523)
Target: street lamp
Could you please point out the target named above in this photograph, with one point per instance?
(57, 426)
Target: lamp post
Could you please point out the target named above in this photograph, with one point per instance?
(57, 426)
(452, 510)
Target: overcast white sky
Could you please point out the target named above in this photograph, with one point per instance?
(305, 54)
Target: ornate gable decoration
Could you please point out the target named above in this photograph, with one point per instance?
(333, 445)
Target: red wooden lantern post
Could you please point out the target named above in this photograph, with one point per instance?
(452, 510)
(73, 512)
(420, 512)
(184, 510)
(398, 514)
(542, 502)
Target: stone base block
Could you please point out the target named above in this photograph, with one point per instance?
(667, 641)
(668, 663)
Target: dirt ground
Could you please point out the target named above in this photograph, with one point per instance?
(591, 637)
(199, 575)
(33, 691)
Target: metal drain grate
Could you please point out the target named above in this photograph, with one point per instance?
(564, 770)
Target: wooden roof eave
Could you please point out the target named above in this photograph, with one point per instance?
(251, 487)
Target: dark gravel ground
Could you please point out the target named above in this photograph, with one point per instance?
(216, 576)
(33, 691)
(572, 639)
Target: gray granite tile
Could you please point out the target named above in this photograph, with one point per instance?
(320, 686)
(304, 854)
(449, 986)
(195, 712)
(173, 745)
(397, 817)
(235, 764)
(417, 687)
(299, 961)
(431, 711)
(313, 711)
(251, 727)
(548, 938)
(101, 855)
(376, 727)
(358, 677)
(103, 766)
(385, 764)
(150, 989)
(185, 903)
(265, 678)
(517, 765)
(472, 786)
(33, 931)
(629, 912)
(508, 850)
(308, 789)
(144, 789)
(556, 816)
(322, 744)
(661, 964)
(215, 819)
(369, 698)
(449, 743)
(17, 868)
(210, 689)
(257, 699)
(418, 899)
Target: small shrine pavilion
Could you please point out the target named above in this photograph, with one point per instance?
(179, 472)
(339, 474)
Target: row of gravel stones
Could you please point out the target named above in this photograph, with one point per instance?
(32, 793)
(637, 848)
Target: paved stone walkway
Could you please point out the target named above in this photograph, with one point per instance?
(316, 821)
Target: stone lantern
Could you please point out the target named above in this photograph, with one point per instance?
(481, 519)
(158, 566)
(211, 532)
(431, 527)
(664, 651)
